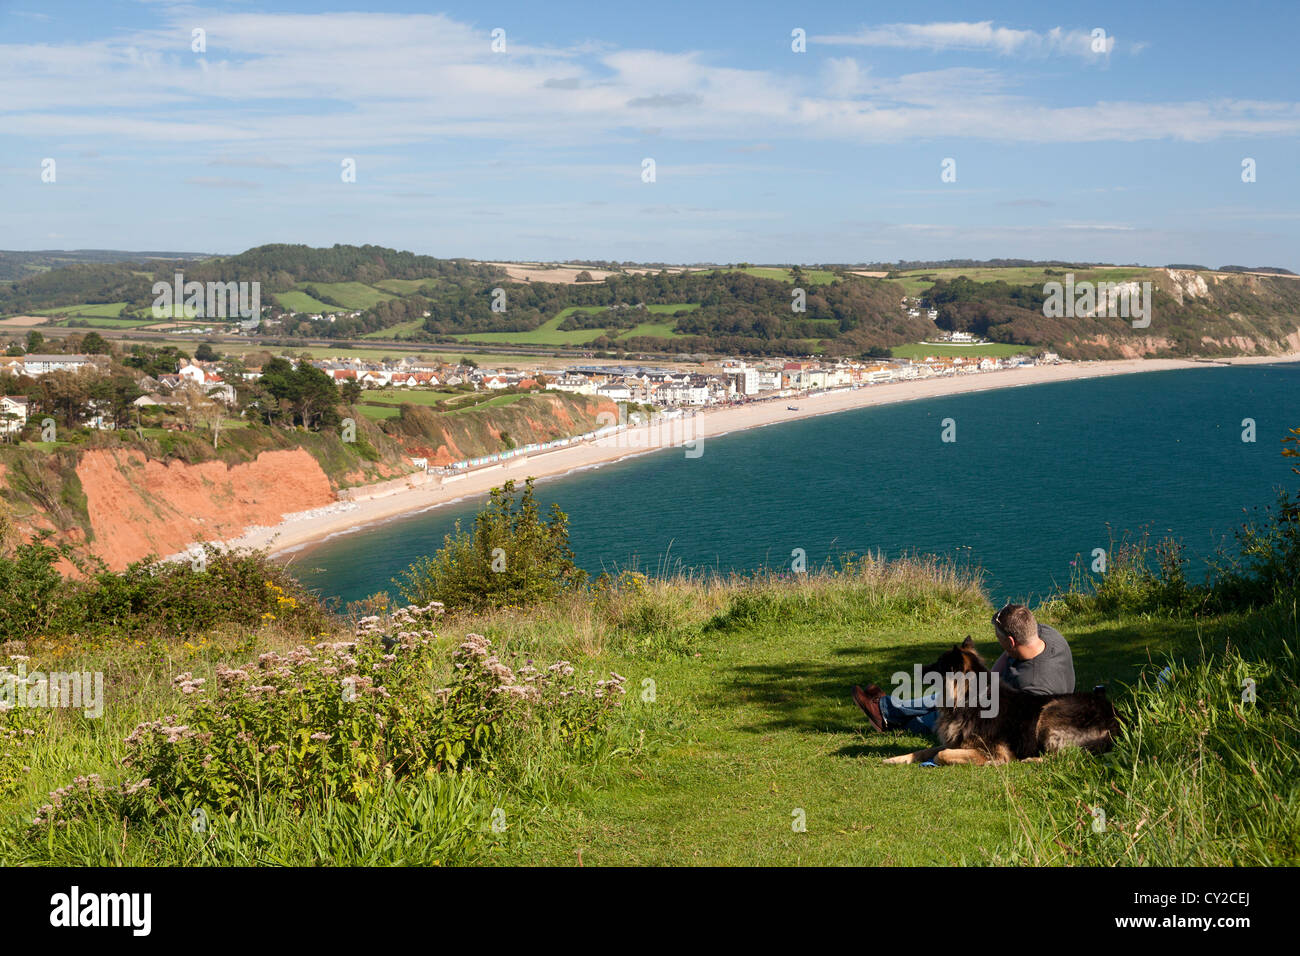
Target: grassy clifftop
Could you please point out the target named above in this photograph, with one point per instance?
(735, 743)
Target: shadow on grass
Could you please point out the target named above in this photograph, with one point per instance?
(813, 696)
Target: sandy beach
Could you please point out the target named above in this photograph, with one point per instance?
(376, 503)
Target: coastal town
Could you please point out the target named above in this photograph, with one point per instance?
(695, 385)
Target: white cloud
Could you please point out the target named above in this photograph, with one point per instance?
(274, 82)
(978, 36)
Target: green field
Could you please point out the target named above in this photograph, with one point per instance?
(395, 332)
(295, 301)
(403, 286)
(396, 397)
(994, 349)
(411, 396)
(549, 332)
(386, 402)
(355, 296)
(379, 412)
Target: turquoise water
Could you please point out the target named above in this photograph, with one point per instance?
(1038, 476)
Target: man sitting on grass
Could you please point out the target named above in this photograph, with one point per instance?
(1035, 659)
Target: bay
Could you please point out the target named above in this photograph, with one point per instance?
(1037, 478)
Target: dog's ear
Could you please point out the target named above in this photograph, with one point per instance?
(968, 644)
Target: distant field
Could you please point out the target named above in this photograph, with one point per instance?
(490, 403)
(379, 412)
(399, 331)
(355, 296)
(992, 349)
(542, 272)
(549, 332)
(296, 301)
(404, 286)
(426, 397)
(412, 396)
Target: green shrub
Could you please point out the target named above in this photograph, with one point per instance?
(343, 717)
(513, 557)
(169, 599)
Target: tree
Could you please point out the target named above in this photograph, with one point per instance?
(318, 397)
(114, 395)
(206, 353)
(65, 395)
(95, 344)
(35, 341)
(351, 390)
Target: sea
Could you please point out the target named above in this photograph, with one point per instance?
(1022, 483)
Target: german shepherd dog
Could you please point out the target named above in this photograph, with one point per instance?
(1022, 726)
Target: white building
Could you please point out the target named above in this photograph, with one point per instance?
(35, 364)
(13, 413)
(577, 384)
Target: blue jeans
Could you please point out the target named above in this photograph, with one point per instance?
(918, 716)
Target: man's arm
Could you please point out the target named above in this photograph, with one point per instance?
(1000, 664)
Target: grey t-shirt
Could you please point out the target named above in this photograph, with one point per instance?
(1051, 672)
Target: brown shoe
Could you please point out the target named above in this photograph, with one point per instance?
(869, 701)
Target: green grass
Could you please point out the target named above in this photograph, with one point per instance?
(384, 403)
(379, 412)
(413, 396)
(549, 332)
(404, 286)
(296, 301)
(356, 296)
(995, 349)
(395, 332)
(738, 724)
(760, 725)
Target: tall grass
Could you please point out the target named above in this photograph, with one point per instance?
(1201, 775)
(641, 616)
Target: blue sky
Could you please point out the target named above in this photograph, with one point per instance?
(1125, 146)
